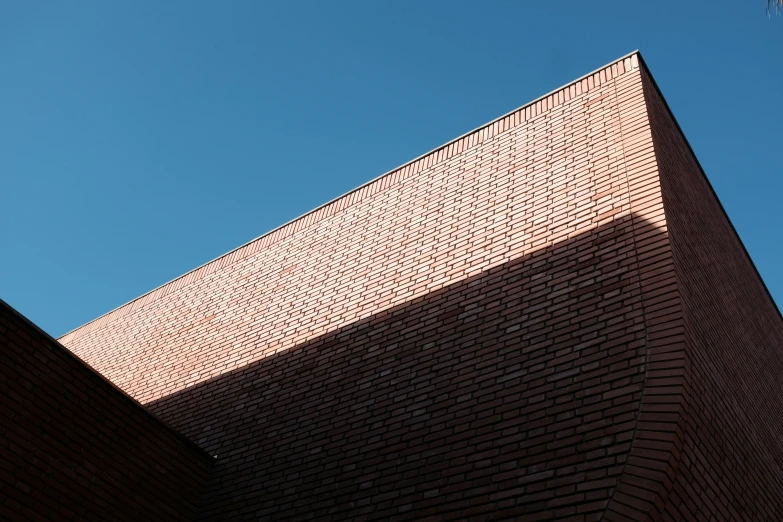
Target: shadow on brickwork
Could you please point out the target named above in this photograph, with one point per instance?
(74, 447)
(511, 393)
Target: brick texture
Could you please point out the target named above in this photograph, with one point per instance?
(506, 394)
(731, 466)
(73, 447)
(514, 326)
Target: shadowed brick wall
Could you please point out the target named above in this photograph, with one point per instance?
(732, 419)
(73, 447)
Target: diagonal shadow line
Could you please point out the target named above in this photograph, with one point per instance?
(511, 393)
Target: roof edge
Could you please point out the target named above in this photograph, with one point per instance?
(630, 55)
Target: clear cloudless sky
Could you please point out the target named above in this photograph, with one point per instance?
(139, 140)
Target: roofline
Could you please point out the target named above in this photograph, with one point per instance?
(365, 184)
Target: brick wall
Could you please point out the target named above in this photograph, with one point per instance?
(467, 334)
(731, 467)
(485, 331)
(528, 323)
(73, 447)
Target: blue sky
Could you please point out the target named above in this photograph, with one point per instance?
(142, 139)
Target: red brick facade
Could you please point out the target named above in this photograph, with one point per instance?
(522, 324)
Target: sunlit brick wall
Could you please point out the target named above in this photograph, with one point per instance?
(543, 174)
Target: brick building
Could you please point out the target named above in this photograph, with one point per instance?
(548, 318)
